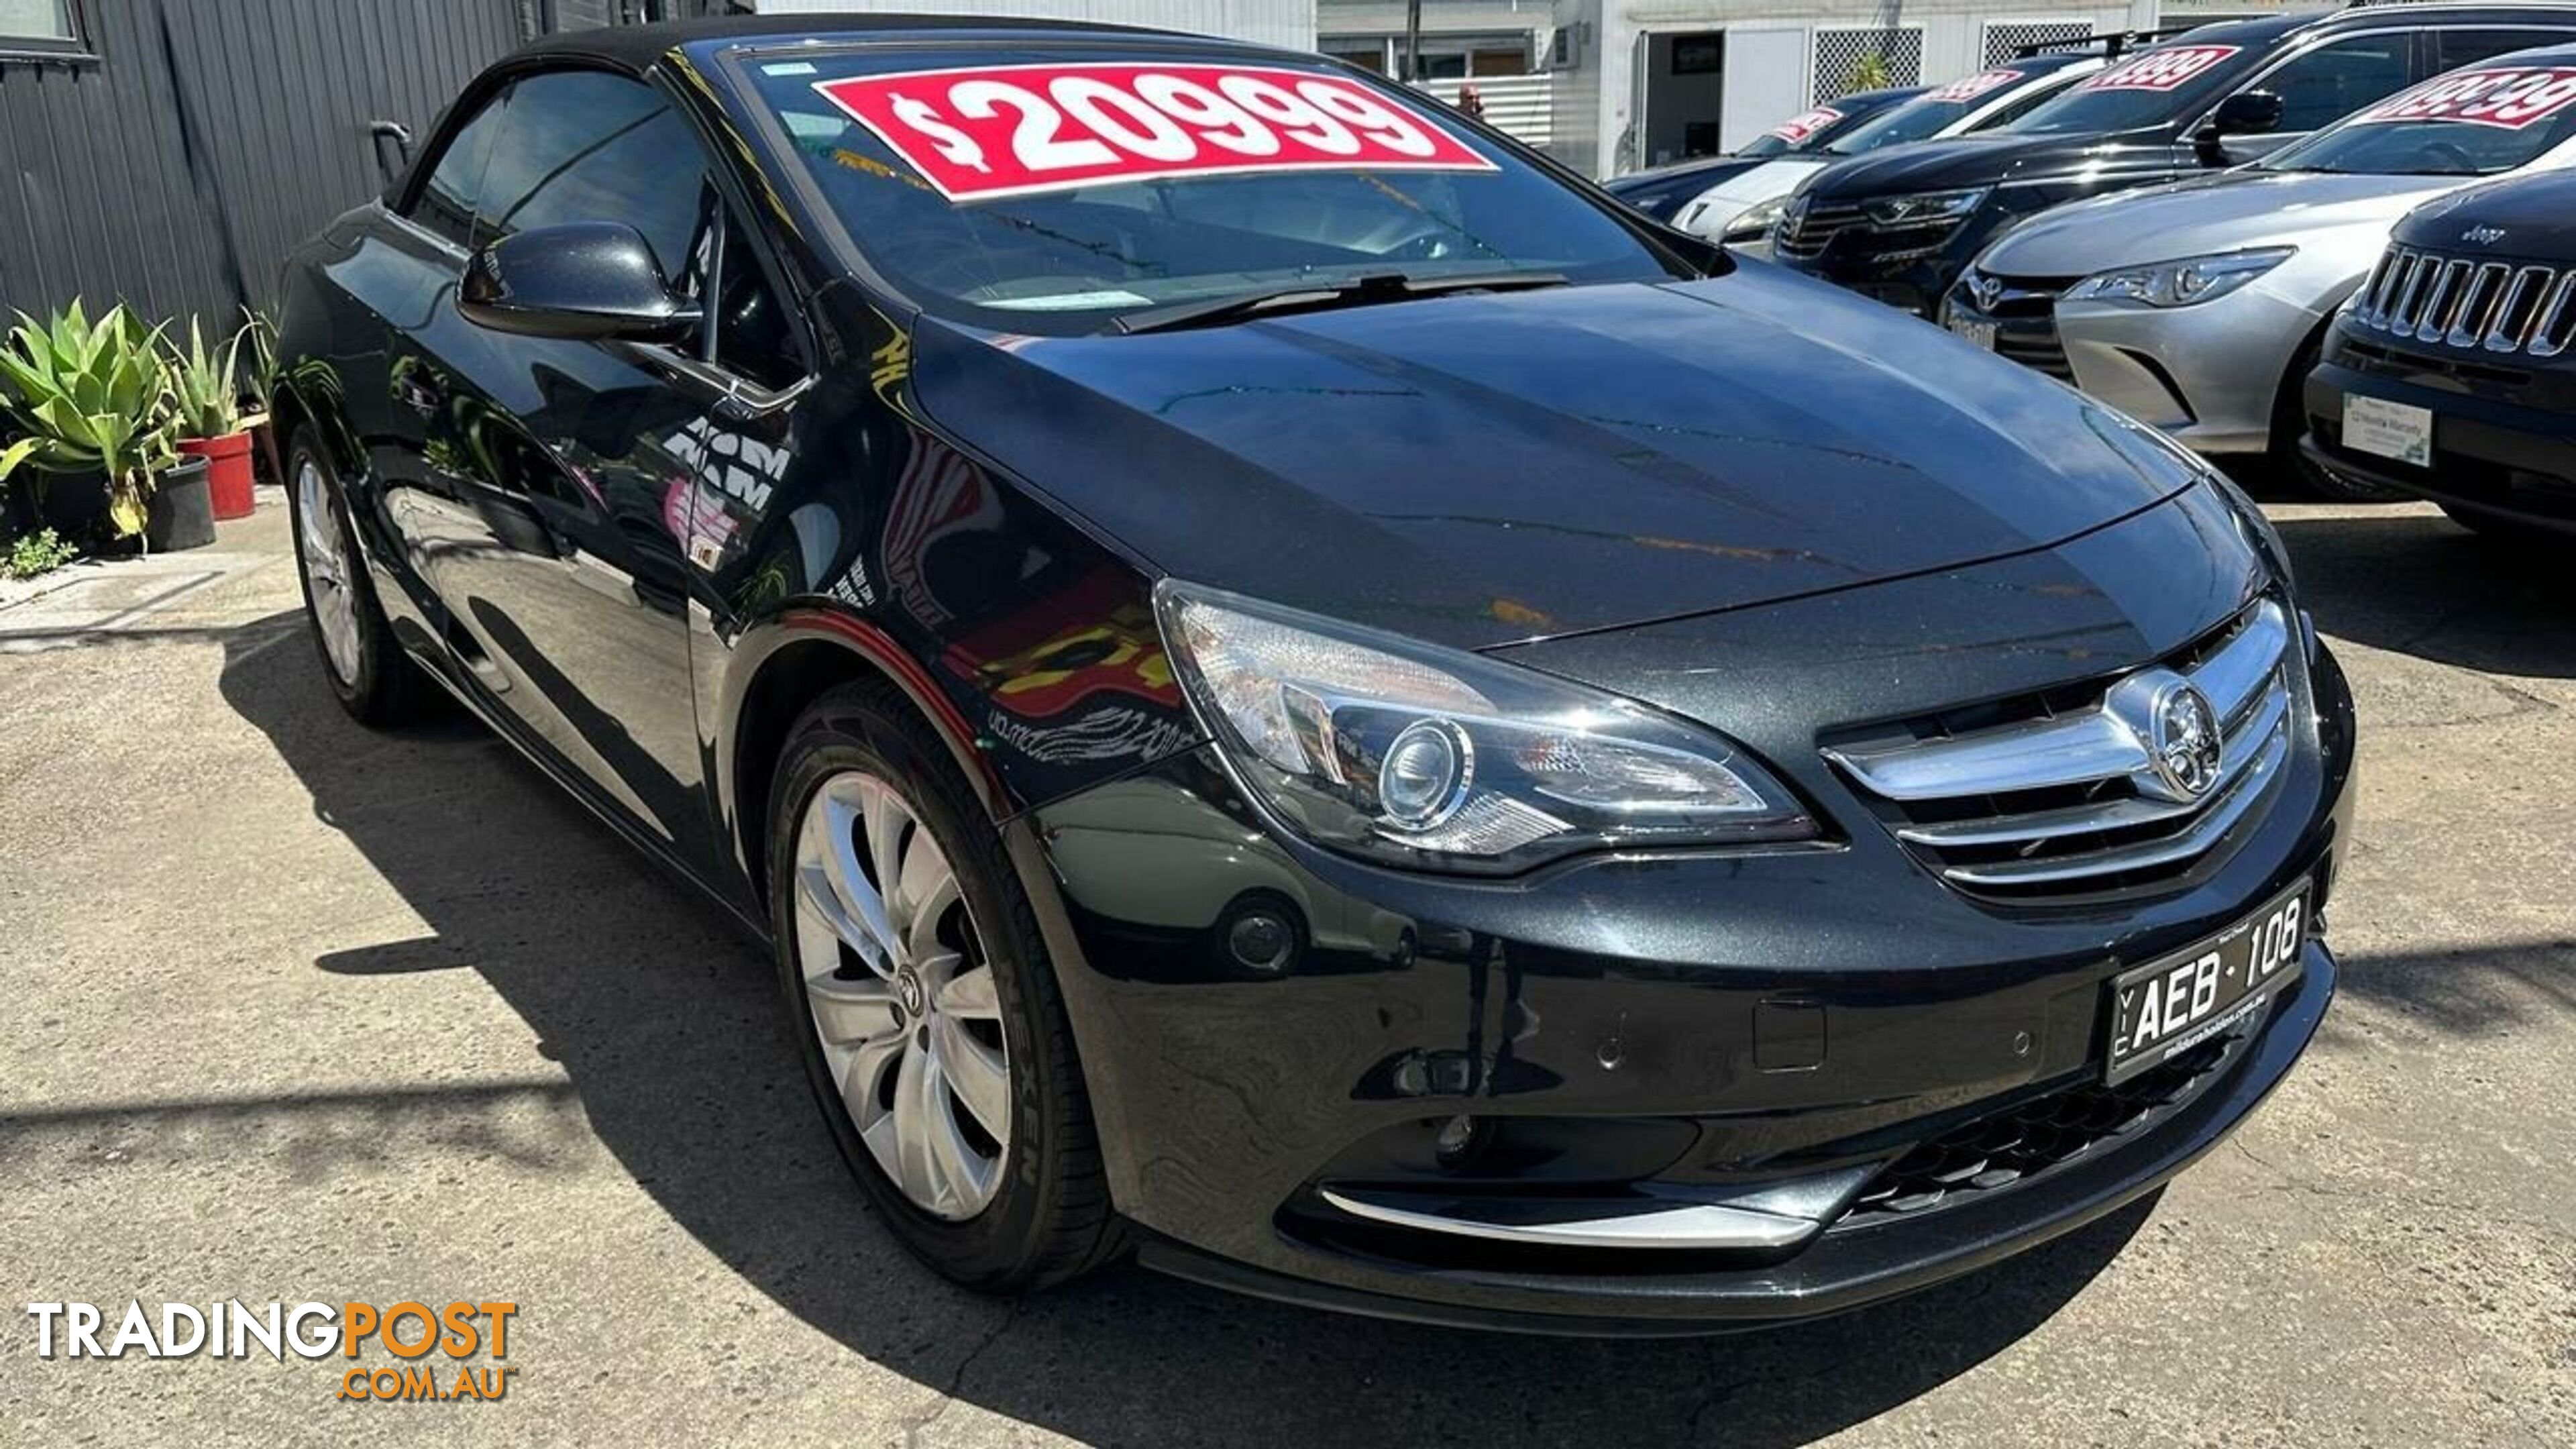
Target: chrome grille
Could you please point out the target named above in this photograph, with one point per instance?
(2024, 311)
(2063, 800)
(2466, 302)
(1805, 232)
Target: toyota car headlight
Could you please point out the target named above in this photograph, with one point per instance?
(2178, 283)
(1925, 208)
(1412, 755)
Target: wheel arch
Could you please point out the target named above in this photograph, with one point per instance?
(293, 415)
(790, 664)
(2288, 396)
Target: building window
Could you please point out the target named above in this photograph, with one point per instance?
(45, 29)
(1450, 56)
(1369, 57)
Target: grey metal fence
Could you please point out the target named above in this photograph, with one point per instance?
(174, 150)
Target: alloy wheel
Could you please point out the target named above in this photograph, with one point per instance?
(902, 995)
(326, 571)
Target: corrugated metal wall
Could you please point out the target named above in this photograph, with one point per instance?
(209, 136)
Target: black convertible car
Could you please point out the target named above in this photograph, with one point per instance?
(1299, 693)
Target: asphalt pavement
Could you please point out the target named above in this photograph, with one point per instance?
(297, 1011)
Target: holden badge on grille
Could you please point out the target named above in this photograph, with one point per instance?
(2183, 739)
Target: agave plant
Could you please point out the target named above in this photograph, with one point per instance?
(260, 330)
(205, 396)
(89, 397)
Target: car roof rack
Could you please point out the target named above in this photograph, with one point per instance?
(2113, 44)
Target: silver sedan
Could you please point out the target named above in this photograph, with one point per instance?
(2199, 306)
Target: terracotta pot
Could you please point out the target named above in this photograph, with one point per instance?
(228, 472)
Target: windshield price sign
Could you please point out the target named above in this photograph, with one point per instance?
(1806, 123)
(1014, 130)
(2509, 97)
(2160, 70)
(1976, 85)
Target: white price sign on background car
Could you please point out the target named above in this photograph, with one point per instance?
(996, 131)
(2388, 429)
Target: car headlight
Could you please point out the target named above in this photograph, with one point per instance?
(1754, 221)
(1408, 754)
(1925, 208)
(2178, 283)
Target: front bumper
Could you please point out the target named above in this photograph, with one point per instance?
(2210, 375)
(1690, 1029)
(2504, 438)
(1844, 1270)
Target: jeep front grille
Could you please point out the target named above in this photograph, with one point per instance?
(2469, 302)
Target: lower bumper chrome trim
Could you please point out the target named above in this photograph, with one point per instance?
(1678, 1226)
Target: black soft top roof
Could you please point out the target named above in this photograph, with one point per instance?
(635, 48)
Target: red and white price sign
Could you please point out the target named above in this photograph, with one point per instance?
(1806, 123)
(1013, 130)
(1976, 85)
(2160, 70)
(2509, 97)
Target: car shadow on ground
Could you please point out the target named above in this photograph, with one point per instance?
(669, 1029)
(2413, 582)
(2404, 578)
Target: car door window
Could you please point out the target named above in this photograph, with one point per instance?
(2467, 45)
(589, 146)
(2017, 108)
(2332, 81)
(446, 201)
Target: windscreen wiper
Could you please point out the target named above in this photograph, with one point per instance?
(1366, 291)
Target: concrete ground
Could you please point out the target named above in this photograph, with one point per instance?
(299, 1011)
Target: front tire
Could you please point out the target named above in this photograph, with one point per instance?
(923, 1003)
(369, 673)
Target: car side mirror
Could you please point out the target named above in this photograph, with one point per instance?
(2246, 113)
(588, 281)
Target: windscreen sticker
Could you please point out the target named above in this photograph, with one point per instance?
(1976, 85)
(1015, 130)
(1806, 123)
(2160, 70)
(2506, 96)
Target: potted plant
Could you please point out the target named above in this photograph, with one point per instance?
(92, 398)
(205, 406)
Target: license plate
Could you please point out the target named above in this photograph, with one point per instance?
(2170, 1005)
(2389, 429)
(1976, 329)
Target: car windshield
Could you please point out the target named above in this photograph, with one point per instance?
(1056, 196)
(2473, 122)
(2152, 86)
(1926, 115)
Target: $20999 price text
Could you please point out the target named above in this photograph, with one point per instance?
(1014, 130)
